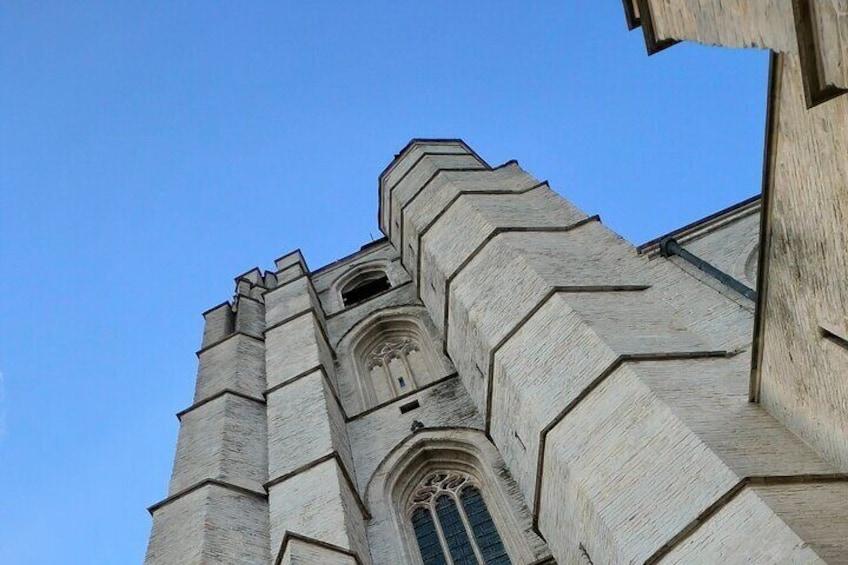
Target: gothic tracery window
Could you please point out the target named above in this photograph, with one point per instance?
(393, 355)
(393, 361)
(452, 524)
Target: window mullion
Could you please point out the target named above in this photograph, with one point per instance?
(387, 371)
(467, 523)
(442, 539)
(405, 360)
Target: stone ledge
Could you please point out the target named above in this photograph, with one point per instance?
(206, 348)
(424, 185)
(731, 494)
(485, 242)
(311, 310)
(612, 368)
(550, 294)
(388, 191)
(306, 373)
(204, 483)
(288, 537)
(216, 396)
(444, 210)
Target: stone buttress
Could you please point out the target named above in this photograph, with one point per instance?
(315, 509)
(217, 509)
(615, 387)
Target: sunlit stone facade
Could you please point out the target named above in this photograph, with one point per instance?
(503, 379)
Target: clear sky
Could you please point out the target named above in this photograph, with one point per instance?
(151, 151)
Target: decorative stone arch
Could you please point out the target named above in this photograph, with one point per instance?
(461, 451)
(389, 353)
(373, 274)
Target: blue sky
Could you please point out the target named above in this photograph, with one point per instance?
(151, 151)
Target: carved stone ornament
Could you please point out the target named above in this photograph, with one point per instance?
(436, 484)
(391, 349)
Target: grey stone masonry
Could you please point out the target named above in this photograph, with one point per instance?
(613, 385)
(600, 396)
(217, 508)
(814, 31)
(311, 487)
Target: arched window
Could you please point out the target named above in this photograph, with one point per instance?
(393, 355)
(452, 523)
(363, 285)
(393, 360)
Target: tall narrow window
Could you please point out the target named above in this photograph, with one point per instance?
(450, 518)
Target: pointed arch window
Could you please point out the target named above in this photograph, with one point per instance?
(393, 355)
(363, 286)
(395, 359)
(452, 523)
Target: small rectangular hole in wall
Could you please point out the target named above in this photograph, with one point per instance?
(409, 406)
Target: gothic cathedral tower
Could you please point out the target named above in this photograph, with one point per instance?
(502, 379)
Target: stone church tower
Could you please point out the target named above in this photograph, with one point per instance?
(502, 379)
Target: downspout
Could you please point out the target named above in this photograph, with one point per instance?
(669, 247)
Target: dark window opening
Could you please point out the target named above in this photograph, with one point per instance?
(365, 289)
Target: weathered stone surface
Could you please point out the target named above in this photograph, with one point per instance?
(746, 531)
(317, 503)
(223, 439)
(601, 395)
(210, 525)
(733, 23)
(238, 364)
(801, 374)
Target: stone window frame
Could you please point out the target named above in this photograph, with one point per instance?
(359, 274)
(460, 450)
(451, 484)
(372, 344)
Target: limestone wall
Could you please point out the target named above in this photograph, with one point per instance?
(217, 508)
(802, 373)
(576, 350)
